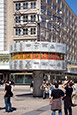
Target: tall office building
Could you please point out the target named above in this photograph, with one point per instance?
(41, 20)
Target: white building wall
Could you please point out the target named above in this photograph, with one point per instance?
(2, 25)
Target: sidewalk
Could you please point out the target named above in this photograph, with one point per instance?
(24, 103)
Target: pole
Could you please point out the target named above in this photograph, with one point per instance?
(38, 29)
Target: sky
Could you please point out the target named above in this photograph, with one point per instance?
(73, 5)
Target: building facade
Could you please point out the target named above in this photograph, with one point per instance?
(40, 20)
(27, 15)
(2, 26)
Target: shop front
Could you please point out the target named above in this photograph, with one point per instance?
(4, 65)
(22, 78)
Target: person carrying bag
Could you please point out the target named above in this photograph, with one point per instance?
(55, 101)
(7, 94)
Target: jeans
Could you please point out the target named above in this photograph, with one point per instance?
(53, 112)
(7, 104)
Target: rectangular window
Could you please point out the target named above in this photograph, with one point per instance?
(49, 2)
(43, 21)
(69, 14)
(25, 5)
(59, 2)
(62, 6)
(18, 6)
(65, 20)
(33, 18)
(25, 31)
(54, 6)
(72, 17)
(66, 10)
(48, 25)
(25, 18)
(33, 4)
(69, 23)
(18, 31)
(48, 13)
(18, 19)
(33, 31)
(58, 11)
(43, 7)
(62, 15)
(54, 18)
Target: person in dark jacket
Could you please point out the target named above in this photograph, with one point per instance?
(7, 95)
(67, 98)
(55, 100)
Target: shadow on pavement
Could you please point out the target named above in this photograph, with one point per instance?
(1, 108)
(13, 108)
(25, 95)
(38, 111)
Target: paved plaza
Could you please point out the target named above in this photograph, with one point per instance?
(23, 103)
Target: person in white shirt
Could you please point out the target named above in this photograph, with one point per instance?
(74, 93)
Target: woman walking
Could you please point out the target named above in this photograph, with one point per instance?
(55, 101)
(67, 98)
(7, 94)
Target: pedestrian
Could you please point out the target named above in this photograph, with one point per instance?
(47, 90)
(67, 98)
(7, 94)
(73, 93)
(43, 88)
(55, 101)
(50, 90)
(31, 86)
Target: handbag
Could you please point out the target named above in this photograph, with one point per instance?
(11, 94)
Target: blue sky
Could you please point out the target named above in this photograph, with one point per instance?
(73, 5)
